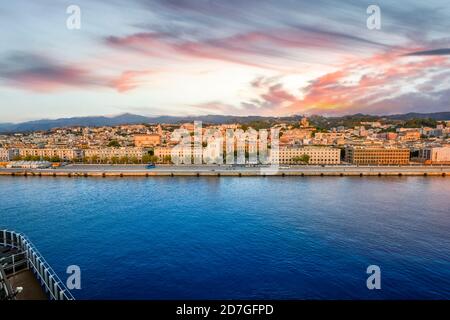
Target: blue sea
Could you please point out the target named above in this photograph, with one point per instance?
(238, 238)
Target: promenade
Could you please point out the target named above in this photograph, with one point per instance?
(79, 170)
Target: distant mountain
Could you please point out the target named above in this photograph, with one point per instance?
(413, 115)
(48, 124)
(127, 118)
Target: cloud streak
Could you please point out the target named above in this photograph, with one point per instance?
(33, 72)
(37, 73)
(435, 52)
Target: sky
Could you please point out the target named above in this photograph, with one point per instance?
(233, 57)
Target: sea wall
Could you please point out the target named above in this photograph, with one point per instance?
(445, 172)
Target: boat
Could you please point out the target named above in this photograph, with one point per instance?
(24, 273)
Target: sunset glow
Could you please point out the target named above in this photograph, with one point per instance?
(222, 57)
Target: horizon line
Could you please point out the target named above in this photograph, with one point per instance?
(112, 116)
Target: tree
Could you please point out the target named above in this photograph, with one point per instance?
(167, 159)
(32, 158)
(147, 158)
(114, 144)
(154, 159)
(134, 160)
(304, 159)
(124, 160)
(114, 160)
(417, 123)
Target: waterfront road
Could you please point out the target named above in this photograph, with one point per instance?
(227, 170)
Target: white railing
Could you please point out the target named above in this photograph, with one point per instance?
(48, 278)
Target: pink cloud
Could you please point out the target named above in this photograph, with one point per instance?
(254, 48)
(129, 80)
(382, 77)
(42, 74)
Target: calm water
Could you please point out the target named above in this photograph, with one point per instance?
(281, 238)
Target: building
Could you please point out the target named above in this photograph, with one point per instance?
(391, 135)
(110, 153)
(188, 126)
(29, 164)
(295, 135)
(177, 153)
(409, 135)
(304, 123)
(439, 155)
(317, 155)
(147, 140)
(63, 154)
(8, 154)
(373, 124)
(162, 152)
(376, 155)
(328, 138)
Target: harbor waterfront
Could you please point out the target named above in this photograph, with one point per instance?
(238, 238)
(83, 170)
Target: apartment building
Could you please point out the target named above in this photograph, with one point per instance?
(109, 153)
(8, 154)
(376, 155)
(317, 155)
(435, 155)
(162, 152)
(63, 154)
(186, 154)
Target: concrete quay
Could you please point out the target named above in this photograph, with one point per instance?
(225, 171)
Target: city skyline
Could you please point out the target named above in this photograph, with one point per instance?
(192, 58)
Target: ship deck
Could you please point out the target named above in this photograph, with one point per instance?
(31, 287)
(23, 277)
